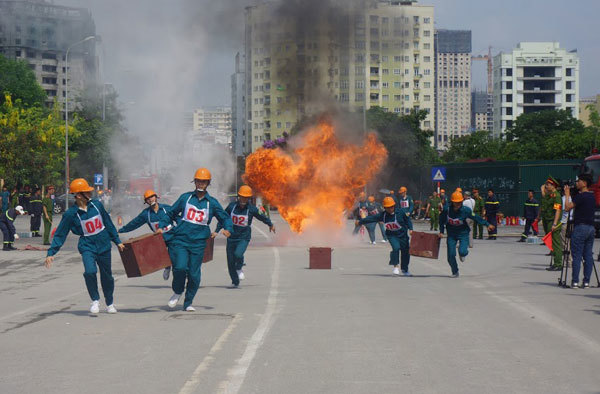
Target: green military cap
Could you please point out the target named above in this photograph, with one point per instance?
(552, 181)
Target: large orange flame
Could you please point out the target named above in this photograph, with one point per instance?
(313, 185)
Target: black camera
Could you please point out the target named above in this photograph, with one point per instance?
(571, 184)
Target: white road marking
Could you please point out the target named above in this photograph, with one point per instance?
(193, 381)
(237, 374)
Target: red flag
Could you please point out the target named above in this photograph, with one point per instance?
(548, 240)
(535, 226)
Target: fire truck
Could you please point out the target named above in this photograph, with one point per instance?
(591, 164)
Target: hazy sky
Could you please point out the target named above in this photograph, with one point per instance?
(198, 39)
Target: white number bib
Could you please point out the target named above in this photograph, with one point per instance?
(404, 203)
(239, 220)
(153, 225)
(392, 226)
(195, 215)
(93, 225)
(454, 222)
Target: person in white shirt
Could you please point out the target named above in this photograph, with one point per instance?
(469, 203)
(566, 216)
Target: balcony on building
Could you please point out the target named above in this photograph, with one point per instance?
(539, 73)
(374, 71)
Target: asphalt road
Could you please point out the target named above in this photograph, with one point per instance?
(502, 327)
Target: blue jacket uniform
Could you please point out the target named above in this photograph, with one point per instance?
(194, 216)
(242, 220)
(406, 203)
(531, 209)
(455, 221)
(94, 227)
(152, 219)
(396, 225)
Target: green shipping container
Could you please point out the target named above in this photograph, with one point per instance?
(510, 179)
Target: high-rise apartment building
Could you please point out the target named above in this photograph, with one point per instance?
(212, 118)
(40, 33)
(479, 111)
(536, 76)
(453, 85)
(238, 108)
(380, 54)
(585, 111)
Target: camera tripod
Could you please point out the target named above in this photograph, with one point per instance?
(564, 273)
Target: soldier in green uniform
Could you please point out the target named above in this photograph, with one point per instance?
(48, 208)
(478, 210)
(551, 211)
(433, 210)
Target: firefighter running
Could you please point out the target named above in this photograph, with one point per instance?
(398, 228)
(454, 219)
(152, 216)
(88, 219)
(241, 212)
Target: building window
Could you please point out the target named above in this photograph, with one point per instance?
(508, 98)
(427, 97)
(359, 84)
(569, 72)
(569, 85)
(426, 33)
(359, 97)
(396, 71)
(427, 20)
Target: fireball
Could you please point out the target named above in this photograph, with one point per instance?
(313, 184)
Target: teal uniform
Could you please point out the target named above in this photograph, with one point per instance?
(407, 204)
(237, 243)
(372, 209)
(96, 230)
(458, 232)
(397, 226)
(152, 219)
(189, 238)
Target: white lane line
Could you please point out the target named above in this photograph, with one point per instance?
(521, 305)
(237, 374)
(193, 381)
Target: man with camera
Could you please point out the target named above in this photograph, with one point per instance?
(582, 238)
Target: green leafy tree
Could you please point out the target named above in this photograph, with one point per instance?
(547, 135)
(93, 146)
(18, 81)
(32, 144)
(406, 142)
(480, 144)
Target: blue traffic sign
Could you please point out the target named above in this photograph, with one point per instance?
(98, 179)
(438, 174)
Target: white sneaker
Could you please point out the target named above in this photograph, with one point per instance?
(396, 271)
(166, 273)
(383, 241)
(190, 309)
(174, 300)
(373, 243)
(406, 273)
(95, 308)
(461, 258)
(111, 308)
(241, 275)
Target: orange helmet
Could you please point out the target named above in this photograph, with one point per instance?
(245, 191)
(442, 191)
(80, 185)
(402, 190)
(458, 189)
(457, 197)
(149, 193)
(388, 202)
(202, 174)
(371, 199)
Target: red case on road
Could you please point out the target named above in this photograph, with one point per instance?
(208, 250)
(424, 245)
(319, 258)
(145, 254)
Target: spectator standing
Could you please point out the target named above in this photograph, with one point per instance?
(582, 238)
